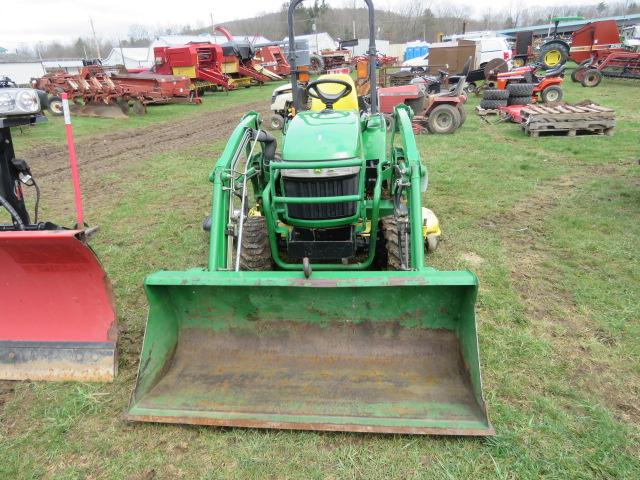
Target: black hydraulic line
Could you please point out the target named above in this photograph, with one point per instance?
(14, 215)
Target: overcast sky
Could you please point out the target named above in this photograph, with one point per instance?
(32, 21)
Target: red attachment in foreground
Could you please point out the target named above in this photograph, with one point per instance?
(55, 297)
(73, 160)
(53, 276)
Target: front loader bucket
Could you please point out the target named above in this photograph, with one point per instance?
(57, 319)
(392, 352)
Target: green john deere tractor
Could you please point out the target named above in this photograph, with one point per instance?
(316, 310)
(555, 51)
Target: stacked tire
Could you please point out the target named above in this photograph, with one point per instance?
(493, 99)
(520, 93)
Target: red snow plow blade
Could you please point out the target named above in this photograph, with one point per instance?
(58, 317)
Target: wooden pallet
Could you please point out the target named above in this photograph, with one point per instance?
(569, 120)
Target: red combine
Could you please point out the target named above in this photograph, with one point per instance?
(202, 63)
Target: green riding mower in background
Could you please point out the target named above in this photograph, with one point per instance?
(316, 310)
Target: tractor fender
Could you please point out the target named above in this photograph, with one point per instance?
(559, 42)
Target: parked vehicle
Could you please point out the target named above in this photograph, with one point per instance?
(441, 112)
(555, 51)
(526, 82)
(489, 48)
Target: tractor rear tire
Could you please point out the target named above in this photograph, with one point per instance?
(592, 78)
(551, 94)
(520, 89)
(55, 106)
(255, 252)
(495, 94)
(443, 119)
(492, 104)
(524, 100)
(397, 243)
(553, 54)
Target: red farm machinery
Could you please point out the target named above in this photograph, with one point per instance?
(96, 91)
(203, 63)
(244, 53)
(272, 58)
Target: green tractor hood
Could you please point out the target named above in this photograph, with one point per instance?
(331, 135)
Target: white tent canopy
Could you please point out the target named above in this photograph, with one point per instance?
(129, 57)
(317, 41)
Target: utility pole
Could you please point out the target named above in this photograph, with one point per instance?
(213, 30)
(95, 39)
(354, 29)
(124, 62)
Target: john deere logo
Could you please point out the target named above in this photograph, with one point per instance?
(317, 170)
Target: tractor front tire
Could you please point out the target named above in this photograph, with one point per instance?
(397, 242)
(255, 251)
(276, 122)
(443, 119)
(55, 106)
(592, 78)
(551, 94)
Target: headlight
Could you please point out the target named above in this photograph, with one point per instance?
(19, 101)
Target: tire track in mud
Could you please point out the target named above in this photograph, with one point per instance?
(136, 144)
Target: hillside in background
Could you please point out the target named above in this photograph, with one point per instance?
(411, 22)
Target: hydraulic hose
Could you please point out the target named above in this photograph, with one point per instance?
(12, 212)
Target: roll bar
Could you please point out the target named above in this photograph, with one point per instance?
(371, 51)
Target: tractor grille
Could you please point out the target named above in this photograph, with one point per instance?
(321, 187)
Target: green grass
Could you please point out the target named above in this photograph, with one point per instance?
(550, 225)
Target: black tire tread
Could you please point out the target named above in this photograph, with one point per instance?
(524, 100)
(389, 227)
(492, 104)
(255, 252)
(520, 89)
(495, 94)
